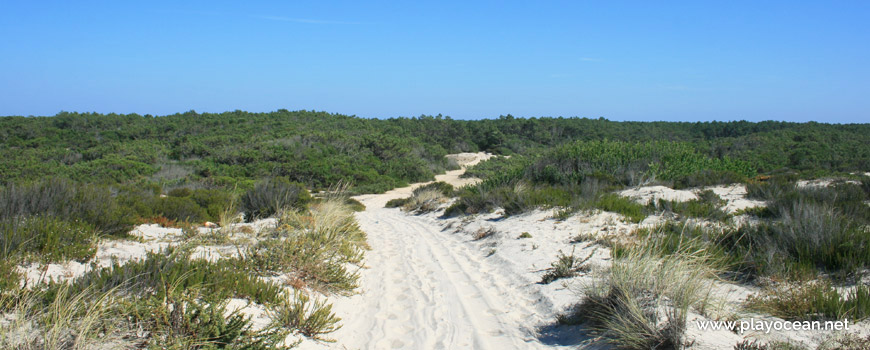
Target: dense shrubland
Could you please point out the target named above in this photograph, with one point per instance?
(70, 180)
(318, 149)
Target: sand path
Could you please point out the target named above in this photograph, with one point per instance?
(427, 289)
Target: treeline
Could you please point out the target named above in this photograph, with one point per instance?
(318, 149)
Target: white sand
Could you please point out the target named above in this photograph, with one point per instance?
(734, 195)
(644, 194)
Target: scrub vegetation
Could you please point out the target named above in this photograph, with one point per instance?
(74, 179)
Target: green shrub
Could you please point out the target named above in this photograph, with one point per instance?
(316, 246)
(67, 201)
(444, 188)
(180, 209)
(47, 239)
(396, 202)
(354, 204)
(271, 195)
(612, 202)
(808, 237)
(183, 322)
(707, 206)
(813, 301)
(147, 277)
(311, 318)
(708, 177)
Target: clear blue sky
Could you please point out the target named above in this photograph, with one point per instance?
(638, 60)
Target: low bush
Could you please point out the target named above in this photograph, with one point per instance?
(316, 246)
(271, 195)
(47, 239)
(66, 201)
(808, 237)
(311, 318)
(148, 277)
(629, 209)
(808, 301)
(424, 201)
(185, 322)
(354, 204)
(708, 177)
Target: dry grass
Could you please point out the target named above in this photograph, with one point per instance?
(643, 301)
(425, 201)
(69, 321)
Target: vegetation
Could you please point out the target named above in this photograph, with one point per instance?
(565, 266)
(813, 301)
(271, 195)
(180, 302)
(75, 178)
(643, 301)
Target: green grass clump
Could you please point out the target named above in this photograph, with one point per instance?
(354, 204)
(612, 202)
(813, 301)
(225, 277)
(311, 318)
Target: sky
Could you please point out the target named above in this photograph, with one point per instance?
(621, 60)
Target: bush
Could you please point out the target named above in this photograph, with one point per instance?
(444, 188)
(808, 237)
(46, 238)
(813, 301)
(707, 206)
(312, 319)
(269, 196)
(315, 246)
(180, 209)
(708, 177)
(67, 201)
(424, 201)
(612, 202)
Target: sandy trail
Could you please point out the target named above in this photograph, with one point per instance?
(425, 288)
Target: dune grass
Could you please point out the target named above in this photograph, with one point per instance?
(643, 300)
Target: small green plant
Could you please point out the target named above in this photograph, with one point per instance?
(311, 318)
(524, 235)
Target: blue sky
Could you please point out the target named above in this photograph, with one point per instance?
(623, 60)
